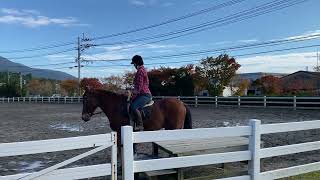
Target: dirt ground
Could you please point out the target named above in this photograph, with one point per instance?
(25, 122)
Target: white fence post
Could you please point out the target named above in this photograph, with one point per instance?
(254, 147)
(127, 153)
(65, 100)
(24, 99)
(196, 101)
(295, 102)
(239, 101)
(114, 155)
(264, 101)
(216, 100)
(8, 99)
(3, 99)
(78, 99)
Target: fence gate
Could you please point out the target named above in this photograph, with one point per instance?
(97, 142)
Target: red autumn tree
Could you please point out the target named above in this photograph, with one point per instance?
(93, 83)
(271, 85)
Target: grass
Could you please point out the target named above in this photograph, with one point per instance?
(308, 176)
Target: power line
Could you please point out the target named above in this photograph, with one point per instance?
(42, 55)
(186, 16)
(212, 8)
(240, 16)
(38, 48)
(232, 48)
(41, 65)
(238, 55)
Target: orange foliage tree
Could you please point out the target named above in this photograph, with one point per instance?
(93, 83)
(271, 85)
(69, 86)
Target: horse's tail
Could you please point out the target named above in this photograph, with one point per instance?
(188, 119)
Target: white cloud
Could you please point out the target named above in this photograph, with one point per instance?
(167, 4)
(285, 63)
(137, 2)
(143, 2)
(60, 58)
(247, 40)
(32, 18)
(308, 33)
(104, 56)
(139, 47)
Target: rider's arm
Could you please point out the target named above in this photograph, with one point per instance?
(138, 84)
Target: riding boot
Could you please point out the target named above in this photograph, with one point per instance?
(139, 122)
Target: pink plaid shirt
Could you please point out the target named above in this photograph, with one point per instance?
(141, 82)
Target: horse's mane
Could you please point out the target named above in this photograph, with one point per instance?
(110, 93)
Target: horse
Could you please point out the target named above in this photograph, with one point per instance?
(168, 114)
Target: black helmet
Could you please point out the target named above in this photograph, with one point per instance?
(137, 60)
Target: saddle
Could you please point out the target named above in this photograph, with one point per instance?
(145, 111)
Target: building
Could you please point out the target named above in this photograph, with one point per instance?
(302, 81)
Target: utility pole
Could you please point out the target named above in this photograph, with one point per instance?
(78, 61)
(318, 68)
(81, 47)
(8, 77)
(20, 83)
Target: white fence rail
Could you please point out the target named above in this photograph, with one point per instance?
(244, 101)
(98, 142)
(254, 154)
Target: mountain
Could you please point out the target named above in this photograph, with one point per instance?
(6, 65)
(258, 75)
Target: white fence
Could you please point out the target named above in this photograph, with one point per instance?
(254, 154)
(62, 100)
(244, 101)
(98, 142)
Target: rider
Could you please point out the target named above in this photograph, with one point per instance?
(141, 92)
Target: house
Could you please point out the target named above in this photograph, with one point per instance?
(302, 81)
(255, 89)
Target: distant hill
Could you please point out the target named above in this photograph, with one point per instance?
(6, 65)
(258, 75)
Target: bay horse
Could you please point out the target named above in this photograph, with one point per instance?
(168, 113)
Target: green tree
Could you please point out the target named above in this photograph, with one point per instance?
(217, 72)
(172, 81)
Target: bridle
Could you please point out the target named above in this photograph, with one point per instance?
(94, 113)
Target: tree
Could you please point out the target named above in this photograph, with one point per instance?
(113, 83)
(128, 79)
(46, 88)
(242, 87)
(172, 81)
(93, 83)
(34, 87)
(69, 86)
(271, 85)
(217, 72)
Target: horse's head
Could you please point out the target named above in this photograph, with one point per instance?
(90, 104)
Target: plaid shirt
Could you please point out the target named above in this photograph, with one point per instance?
(141, 82)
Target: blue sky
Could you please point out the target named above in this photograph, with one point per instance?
(37, 23)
